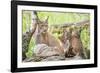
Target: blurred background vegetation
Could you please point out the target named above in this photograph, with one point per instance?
(58, 19)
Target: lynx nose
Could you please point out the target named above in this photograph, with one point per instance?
(45, 29)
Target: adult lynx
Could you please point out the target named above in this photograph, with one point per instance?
(44, 37)
(76, 46)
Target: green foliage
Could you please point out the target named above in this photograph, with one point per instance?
(26, 20)
(85, 37)
(31, 47)
(61, 18)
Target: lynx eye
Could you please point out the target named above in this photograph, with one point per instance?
(42, 25)
(45, 25)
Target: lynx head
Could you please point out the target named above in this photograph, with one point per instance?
(76, 33)
(42, 25)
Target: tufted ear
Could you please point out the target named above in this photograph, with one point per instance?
(38, 20)
(47, 19)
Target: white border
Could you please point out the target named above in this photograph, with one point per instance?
(53, 63)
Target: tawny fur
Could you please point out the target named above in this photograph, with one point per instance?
(44, 37)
